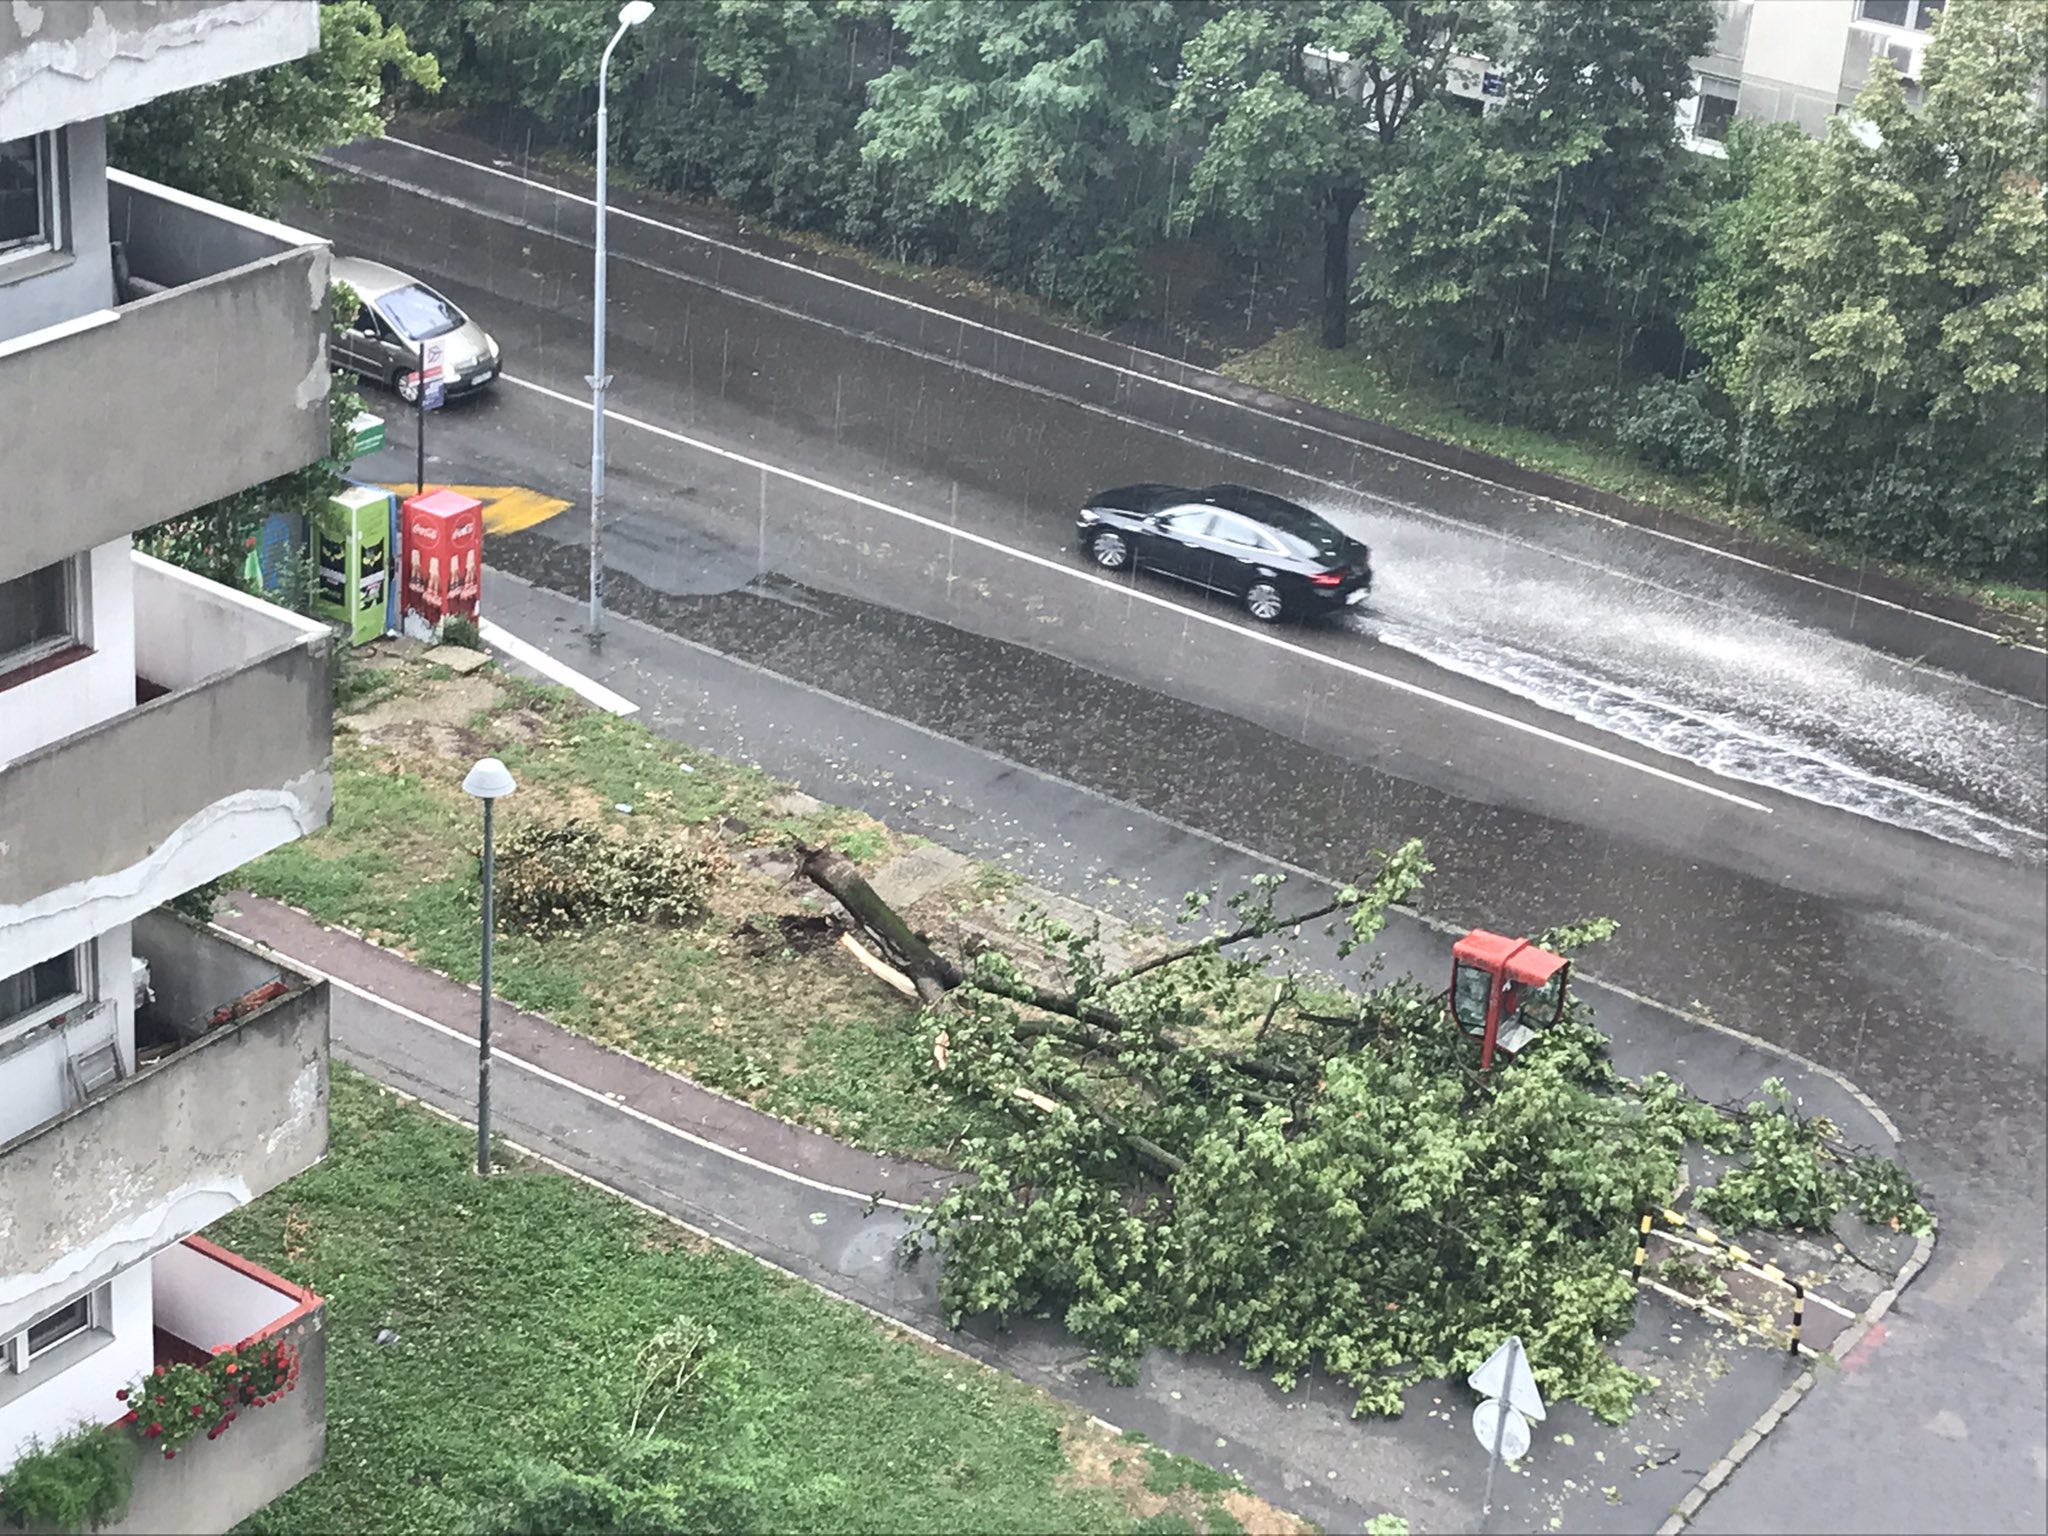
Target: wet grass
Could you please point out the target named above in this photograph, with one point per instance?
(520, 1305)
(797, 1028)
(1355, 382)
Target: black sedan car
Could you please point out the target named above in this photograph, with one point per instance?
(1279, 559)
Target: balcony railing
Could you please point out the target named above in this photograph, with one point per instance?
(221, 1110)
(229, 757)
(207, 376)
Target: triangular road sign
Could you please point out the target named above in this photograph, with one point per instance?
(1519, 1392)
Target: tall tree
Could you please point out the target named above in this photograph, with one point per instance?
(1298, 106)
(1876, 306)
(1051, 114)
(249, 140)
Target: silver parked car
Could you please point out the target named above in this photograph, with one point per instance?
(399, 315)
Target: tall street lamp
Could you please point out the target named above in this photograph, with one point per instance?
(489, 782)
(631, 14)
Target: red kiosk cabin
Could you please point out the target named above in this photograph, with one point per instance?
(1504, 991)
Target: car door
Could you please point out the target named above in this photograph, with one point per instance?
(357, 347)
(1239, 550)
(1177, 544)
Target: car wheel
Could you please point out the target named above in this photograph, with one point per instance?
(402, 382)
(1111, 551)
(1263, 602)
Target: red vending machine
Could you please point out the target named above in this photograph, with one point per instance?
(442, 540)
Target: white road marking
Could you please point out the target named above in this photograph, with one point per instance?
(500, 638)
(1074, 573)
(665, 1127)
(1180, 388)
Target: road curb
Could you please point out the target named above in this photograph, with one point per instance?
(1746, 1444)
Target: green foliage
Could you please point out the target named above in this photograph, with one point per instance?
(1197, 1160)
(460, 629)
(199, 903)
(565, 877)
(1875, 307)
(1672, 425)
(1795, 1174)
(249, 140)
(77, 1482)
(1386, 1525)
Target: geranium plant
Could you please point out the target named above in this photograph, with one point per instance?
(173, 1403)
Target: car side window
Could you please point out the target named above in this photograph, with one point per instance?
(1235, 530)
(364, 322)
(1189, 522)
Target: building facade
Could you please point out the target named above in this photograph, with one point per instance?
(1801, 61)
(157, 352)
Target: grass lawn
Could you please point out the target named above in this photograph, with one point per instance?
(521, 1306)
(747, 1000)
(1351, 380)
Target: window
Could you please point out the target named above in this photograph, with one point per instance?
(1190, 523)
(44, 991)
(38, 615)
(1713, 107)
(420, 313)
(1916, 14)
(28, 196)
(76, 1318)
(1235, 530)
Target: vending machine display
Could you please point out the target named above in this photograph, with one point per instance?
(351, 545)
(442, 533)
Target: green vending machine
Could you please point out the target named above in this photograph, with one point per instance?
(352, 543)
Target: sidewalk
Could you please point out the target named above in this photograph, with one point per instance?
(806, 1203)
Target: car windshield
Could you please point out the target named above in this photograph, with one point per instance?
(420, 313)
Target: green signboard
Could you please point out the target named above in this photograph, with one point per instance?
(368, 433)
(352, 545)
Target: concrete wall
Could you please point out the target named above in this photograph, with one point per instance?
(216, 385)
(189, 629)
(162, 1154)
(93, 688)
(209, 1304)
(94, 1368)
(215, 1485)
(112, 821)
(78, 277)
(1792, 66)
(64, 61)
(192, 973)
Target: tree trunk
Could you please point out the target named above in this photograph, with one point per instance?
(1337, 211)
(931, 972)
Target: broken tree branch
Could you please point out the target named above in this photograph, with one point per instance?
(930, 972)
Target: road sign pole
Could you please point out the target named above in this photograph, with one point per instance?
(419, 432)
(1500, 1432)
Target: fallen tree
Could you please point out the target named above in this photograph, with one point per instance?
(1215, 1149)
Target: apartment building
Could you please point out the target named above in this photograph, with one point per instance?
(157, 351)
(1801, 61)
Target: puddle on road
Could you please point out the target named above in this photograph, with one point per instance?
(1741, 692)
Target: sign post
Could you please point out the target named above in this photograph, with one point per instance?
(428, 393)
(1501, 1422)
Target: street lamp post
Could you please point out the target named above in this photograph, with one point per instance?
(489, 782)
(631, 14)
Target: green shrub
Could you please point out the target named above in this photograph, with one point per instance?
(568, 876)
(78, 1481)
(1670, 426)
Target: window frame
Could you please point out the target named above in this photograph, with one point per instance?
(1919, 20)
(83, 994)
(16, 1358)
(49, 163)
(73, 633)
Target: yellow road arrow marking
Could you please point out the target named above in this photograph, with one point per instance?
(507, 508)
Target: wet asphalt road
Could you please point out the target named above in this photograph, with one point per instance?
(1912, 962)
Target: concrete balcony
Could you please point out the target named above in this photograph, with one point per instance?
(208, 1300)
(227, 757)
(209, 375)
(231, 1100)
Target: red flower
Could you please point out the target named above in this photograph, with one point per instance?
(122, 1394)
(154, 1430)
(197, 1409)
(232, 1368)
(128, 1417)
(169, 1454)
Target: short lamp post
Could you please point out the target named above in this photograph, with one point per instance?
(489, 782)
